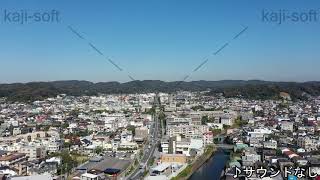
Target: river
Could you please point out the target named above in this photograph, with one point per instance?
(213, 168)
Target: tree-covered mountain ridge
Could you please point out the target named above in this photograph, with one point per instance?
(253, 89)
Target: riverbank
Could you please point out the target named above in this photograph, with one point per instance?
(213, 168)
(193, 167)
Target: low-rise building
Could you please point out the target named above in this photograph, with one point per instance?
(271, 144)
(141, 132)
(287, 126)
(174, 158)
(207, 138)
(17, 161)
(250, 157)
(307, 143)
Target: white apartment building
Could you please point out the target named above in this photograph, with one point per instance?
(178, 145)
(189, 131)
(52, 146)
(126, 136)
(287, 126)
(272, 144)
(184, 126)
(165, 146)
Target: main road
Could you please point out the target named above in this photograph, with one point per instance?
(154, 140)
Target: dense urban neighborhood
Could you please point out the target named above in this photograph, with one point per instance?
(159, 136)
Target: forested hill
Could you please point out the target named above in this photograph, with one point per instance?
(253, 89)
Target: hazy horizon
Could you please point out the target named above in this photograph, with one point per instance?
(156, 80)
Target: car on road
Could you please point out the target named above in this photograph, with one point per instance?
(141, 166)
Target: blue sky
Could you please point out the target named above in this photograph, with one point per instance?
(159, 39)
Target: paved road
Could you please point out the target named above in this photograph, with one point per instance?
(154, 140)
(148, 153)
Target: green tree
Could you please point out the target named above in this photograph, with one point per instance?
(151, 111)
(204, 120)
(98, 150)
(66, 145)
(162, 116)
(132, 129)
(196, 108)
(67, 162)
(239, 122)
(65, 125)
(46, 128)
(216, 131)
(278, 152)
(226, 126)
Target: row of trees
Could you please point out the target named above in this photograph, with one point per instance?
(68, 162)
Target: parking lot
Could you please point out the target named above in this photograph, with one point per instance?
(111, 160)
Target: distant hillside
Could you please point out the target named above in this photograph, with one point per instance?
(253, 89)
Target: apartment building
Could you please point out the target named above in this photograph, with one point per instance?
(16, 161)
(165, 146)
(178, 145)
(185, 127)
(287, 126)
(307, 143)
(207, 138)
(250, 157)
(189, 131)
(34, 152)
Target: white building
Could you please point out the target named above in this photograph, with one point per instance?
(287, 126)
(272, 144)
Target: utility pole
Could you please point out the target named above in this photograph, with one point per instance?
(67, 172)
(61, 168)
